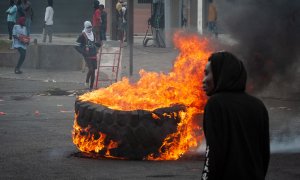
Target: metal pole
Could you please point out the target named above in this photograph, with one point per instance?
(130, 34)
(168, 23)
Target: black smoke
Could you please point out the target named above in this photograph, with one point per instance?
(268, 35)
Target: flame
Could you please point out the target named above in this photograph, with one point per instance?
(88, 143)
(183, 85)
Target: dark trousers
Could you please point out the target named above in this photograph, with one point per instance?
(48, 31)
(10, 26)
(102, 34)
(90, 76)
(22, 53)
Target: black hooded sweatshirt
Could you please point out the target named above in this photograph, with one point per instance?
(236, 125)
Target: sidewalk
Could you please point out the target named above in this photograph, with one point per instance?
(148, 58)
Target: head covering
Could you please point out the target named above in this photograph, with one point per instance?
(88, 30)
(96, 4)
(50, 3)
(21, 21)
(229, 73)
(11, 2)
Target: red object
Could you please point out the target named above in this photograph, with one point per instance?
(2, 113)
(37, 113)
(24, 39)
(96, 18)
(21, 21)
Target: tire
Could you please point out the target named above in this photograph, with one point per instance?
(137, 133)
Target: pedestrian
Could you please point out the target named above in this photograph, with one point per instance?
(97, 20)
(236, 124)
(119, 19)
(124, 21)
(26, 6)
(20, 41)
(11, 17)
(20, 12)
(212, 18)
(48, 26)
(87, 47)
(103, 26)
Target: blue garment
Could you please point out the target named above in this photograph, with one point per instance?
(17, 31)
(212, 27)
(12, 13)
(28, 25)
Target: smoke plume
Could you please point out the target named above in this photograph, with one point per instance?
(268, 33)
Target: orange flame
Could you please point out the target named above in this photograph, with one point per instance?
(88, 143)
(183, 85)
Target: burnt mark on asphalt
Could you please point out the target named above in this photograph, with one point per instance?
(60, 92)
(20, 97)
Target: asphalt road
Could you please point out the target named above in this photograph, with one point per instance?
(36, 142)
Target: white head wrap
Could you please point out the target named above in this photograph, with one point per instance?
(88, 30)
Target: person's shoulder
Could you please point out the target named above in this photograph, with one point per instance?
(214, 100)
(217, 97)
(224, 97)
(49, 7)
(255, 99)
(80, 37)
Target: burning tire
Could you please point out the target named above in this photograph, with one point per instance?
(137, 133)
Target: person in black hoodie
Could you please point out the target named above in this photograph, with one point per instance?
(236, 124)
(87, 47)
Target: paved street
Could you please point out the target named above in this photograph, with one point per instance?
(35, 127)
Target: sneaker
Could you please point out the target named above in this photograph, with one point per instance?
(17, 71)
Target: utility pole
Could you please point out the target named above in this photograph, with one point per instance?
(130, 34)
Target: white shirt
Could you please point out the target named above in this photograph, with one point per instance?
(49, 15)
(124, 9)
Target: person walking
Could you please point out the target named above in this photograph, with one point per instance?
(103, 26)
(236, 124)
(11, 17)
(20, 41)
(26, 6)
(212, 18)
(87, 47)
(97, 20)
(48, 26)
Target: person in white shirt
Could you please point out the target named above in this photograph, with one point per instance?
(124, 22)
(48, 26)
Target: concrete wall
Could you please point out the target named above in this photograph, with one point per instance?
(62, 57)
